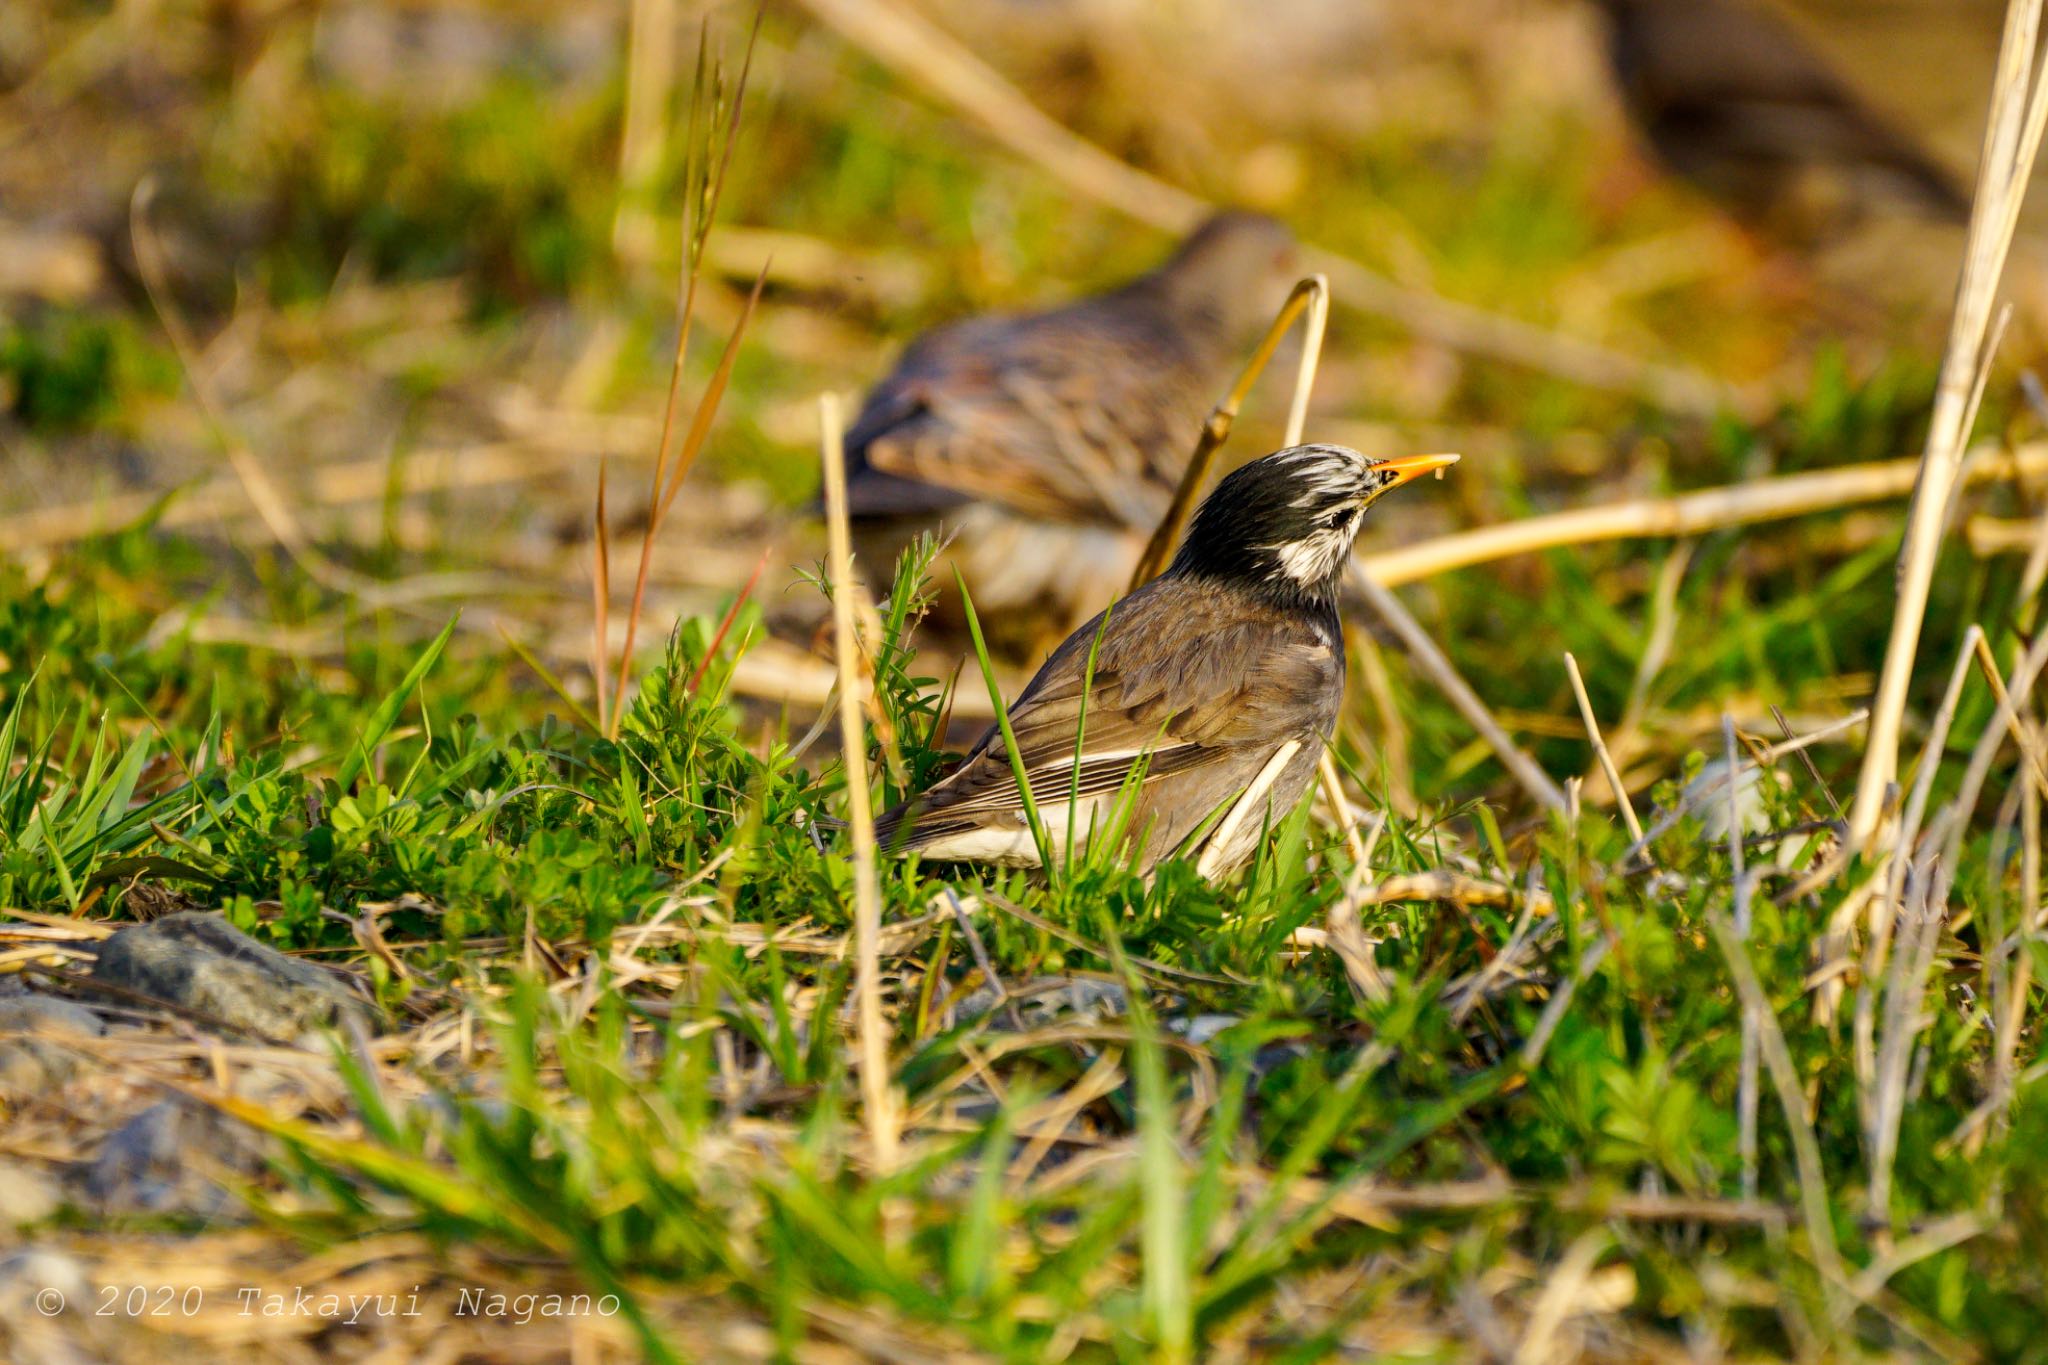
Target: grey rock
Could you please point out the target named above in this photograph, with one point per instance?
(1044, 999)
(33, 1032)
(29, 1066)
(48, 1015)
(166, 1158)
(204, 963)
(1201, 1028)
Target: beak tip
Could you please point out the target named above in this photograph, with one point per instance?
(1409, 467)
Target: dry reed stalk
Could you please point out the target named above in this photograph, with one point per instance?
(1628, 808)
(1987, 535)
(1689, 514)
(2010, 1003)
(1746, 1073)
(1883, 1101)
(878, 1099)
(1906, 981)
(1346, 935)
(1435, 666)
(2012, 135)
(482, 465)
(725, 622)
(703, 187)
(1311, 297)
(1379, 685)
(1881, 897)
(2020, 691)
(2001, 937)
(895, 280)
(2022, 734)
(1777, 1057)
(262, 492)
(1935, 1237)
(1448, 884)
(918, 50)
(1883, 904)
(1560, 1298)
(1210, 862)
(1318, 322)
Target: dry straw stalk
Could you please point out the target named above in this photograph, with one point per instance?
(878, 1101)
(1690, 514)
(1310, 298)
(2012, 135)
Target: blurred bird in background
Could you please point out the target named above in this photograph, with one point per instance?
(1844, 134)
(1049, 444)
(1741, 98)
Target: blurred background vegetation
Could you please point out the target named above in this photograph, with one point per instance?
(428, 252)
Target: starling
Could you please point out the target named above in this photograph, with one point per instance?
(1213, 687)
(1732, 96)
(1050, 443)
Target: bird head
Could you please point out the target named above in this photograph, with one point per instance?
(1232, 273)
(1282, 526)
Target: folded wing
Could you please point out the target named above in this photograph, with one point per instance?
(1208, 711)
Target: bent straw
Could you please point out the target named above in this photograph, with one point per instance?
(1312, 295)
(1628, 808)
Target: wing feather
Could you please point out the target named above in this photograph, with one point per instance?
(1184, 680)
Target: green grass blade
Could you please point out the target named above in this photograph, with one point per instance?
(1163, 1221)
(386, 713)
(995, 696)
(1081, 732)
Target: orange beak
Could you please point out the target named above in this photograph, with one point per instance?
(1406, 467)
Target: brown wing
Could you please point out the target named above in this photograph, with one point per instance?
(1186, 678)
(1086, 414)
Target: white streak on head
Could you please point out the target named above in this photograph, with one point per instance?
(1324, 471)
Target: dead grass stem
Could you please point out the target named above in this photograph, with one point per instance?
(878, 1101)
(2012, 135)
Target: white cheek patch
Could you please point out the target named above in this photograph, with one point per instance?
(1313, 558)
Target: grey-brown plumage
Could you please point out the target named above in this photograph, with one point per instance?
(1732, 97)
(1224, 675)
(1079, 420)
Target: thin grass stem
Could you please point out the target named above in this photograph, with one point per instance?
(878, 1099)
